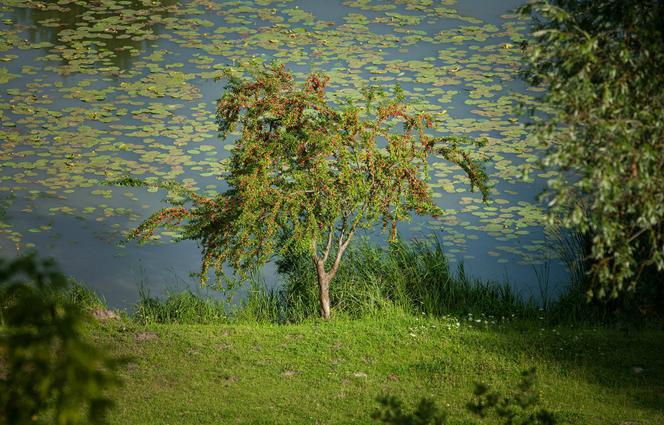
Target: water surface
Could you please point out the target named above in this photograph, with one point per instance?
(97, 90)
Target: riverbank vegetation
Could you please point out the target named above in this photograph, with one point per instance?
(306, 175)
(270, 359)
(410, 330)
(412, 277)
(599, 121)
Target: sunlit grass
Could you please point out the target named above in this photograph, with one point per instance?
(403, 324)
(320, 372)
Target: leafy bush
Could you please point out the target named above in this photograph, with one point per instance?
(50, 372)
(643, 305)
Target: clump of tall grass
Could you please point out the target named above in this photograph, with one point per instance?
(84, 296)
(261, 305)
(414, 277)
(182, 308)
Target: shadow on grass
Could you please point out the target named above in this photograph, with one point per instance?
(627, 363)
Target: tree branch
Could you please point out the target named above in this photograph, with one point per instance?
(314, 250)
(329, 244)
(340, 253)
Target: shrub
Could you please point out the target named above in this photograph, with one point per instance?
(52, 373)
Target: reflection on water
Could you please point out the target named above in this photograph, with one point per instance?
(94, 33)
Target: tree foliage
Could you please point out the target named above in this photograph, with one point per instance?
(305, 174)
(49, 372)
(601, 62)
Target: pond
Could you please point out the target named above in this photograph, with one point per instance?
(94, 90)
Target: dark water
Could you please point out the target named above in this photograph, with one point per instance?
(96, 90)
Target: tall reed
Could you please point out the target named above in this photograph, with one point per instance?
(413, 276)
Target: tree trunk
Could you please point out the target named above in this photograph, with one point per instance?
(324, 277)
(324, 295)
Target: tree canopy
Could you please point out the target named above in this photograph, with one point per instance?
(306, 174)
(601, 62)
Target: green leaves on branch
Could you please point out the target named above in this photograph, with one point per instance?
(601, 63)
(305, 174)
(451, 148)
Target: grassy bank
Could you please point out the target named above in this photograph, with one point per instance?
(403, 325)
(413, 277)
(317, 372)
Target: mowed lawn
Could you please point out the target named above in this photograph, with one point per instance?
(332, 373)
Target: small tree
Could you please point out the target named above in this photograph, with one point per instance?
(304, 175)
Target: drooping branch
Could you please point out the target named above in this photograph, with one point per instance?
(472, 167)
(164, 217)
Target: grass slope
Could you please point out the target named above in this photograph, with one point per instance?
(329, 373)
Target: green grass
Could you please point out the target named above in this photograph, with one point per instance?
(403, 325)
(414, 277)
(183, 307)
(395, 331)
(313, 372)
